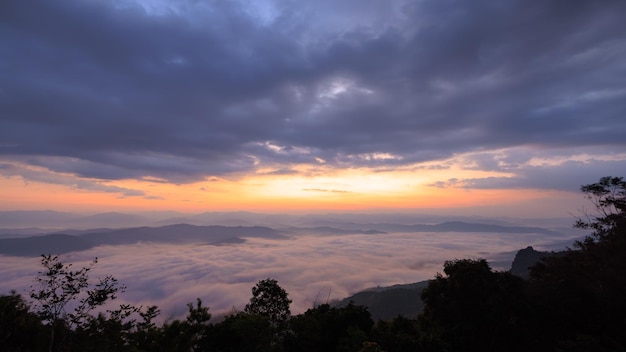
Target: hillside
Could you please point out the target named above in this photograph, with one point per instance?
(387, 303)
(525, 259)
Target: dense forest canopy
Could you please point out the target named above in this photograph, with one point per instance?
(572, 301)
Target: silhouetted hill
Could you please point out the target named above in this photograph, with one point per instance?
(63, 243)
(526, 258)
(180, 233)
(38, 245)
(389, 302)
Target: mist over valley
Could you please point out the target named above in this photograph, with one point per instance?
(316, 258)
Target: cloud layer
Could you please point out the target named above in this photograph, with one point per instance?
(312, 269)
(181, 91)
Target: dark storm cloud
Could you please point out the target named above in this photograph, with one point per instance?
(563, 176)
(281, 172)
(111, 90)
(30, 175)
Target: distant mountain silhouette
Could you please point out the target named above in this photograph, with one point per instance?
(35, 218)
(181, 233)
(348, 221)
(227, 241)
(119, 219)
(459, 226)
(450, 226)
(185, 233)
(327, 230)
(23, 232)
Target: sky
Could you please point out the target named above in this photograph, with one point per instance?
(504, 107)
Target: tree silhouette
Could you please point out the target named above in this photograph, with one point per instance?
(609, 199)
(269, 300)
(20, 329)
(473, 308)
(582, 290)
(327, 328)
(64, 297)
(242, 332)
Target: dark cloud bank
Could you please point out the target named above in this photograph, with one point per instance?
(116, 90)
(109, 90)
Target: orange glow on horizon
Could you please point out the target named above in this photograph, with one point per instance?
(343, 190)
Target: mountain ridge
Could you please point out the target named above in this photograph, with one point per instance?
(59, 243)
(63, 220)
(186, 233)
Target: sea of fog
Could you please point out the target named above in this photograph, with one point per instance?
(313, 269)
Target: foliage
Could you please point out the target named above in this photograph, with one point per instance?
(20, 329)
(269, 300)
(326, 328)
(196, 325)
(241, 332)
(59, 287)
(609, 199)
(473, 308)
(400, 334)
(582, 291)
(179, 335)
